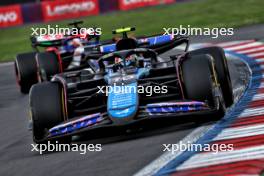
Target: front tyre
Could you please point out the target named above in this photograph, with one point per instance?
(48, 65)
(26, 71)
(222, 71)
(199, 81)
(47, 108)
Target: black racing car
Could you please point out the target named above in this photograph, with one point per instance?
(57, 54)
(197, 83)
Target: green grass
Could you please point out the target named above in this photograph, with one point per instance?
(201, 13)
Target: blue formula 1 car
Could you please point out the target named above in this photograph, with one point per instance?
(132, 85)
(60, 50)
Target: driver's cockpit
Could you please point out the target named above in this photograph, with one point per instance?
(127, 65)
(130, 63)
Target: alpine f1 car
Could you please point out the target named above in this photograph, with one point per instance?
(34, 67)
(59, 51)
(197, 83)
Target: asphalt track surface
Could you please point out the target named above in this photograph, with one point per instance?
(121, 155)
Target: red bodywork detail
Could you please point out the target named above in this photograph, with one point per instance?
(56, 51)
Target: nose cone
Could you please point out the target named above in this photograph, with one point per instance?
(126, 112)
(122, 102)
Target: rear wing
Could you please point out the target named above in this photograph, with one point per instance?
(160, 43)
(47, 40)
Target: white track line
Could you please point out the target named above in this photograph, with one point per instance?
(165, 158)
(6, 64)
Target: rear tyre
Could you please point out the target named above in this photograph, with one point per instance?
(48, 65)
(222, 71)
(26, 71)
(199, 80)
(46, 105)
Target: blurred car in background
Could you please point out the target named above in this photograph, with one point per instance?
(57, 57)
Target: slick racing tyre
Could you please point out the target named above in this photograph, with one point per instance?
(48, 65)
(26, 71)
(47, 108)
(199, 80)
(222, 71)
